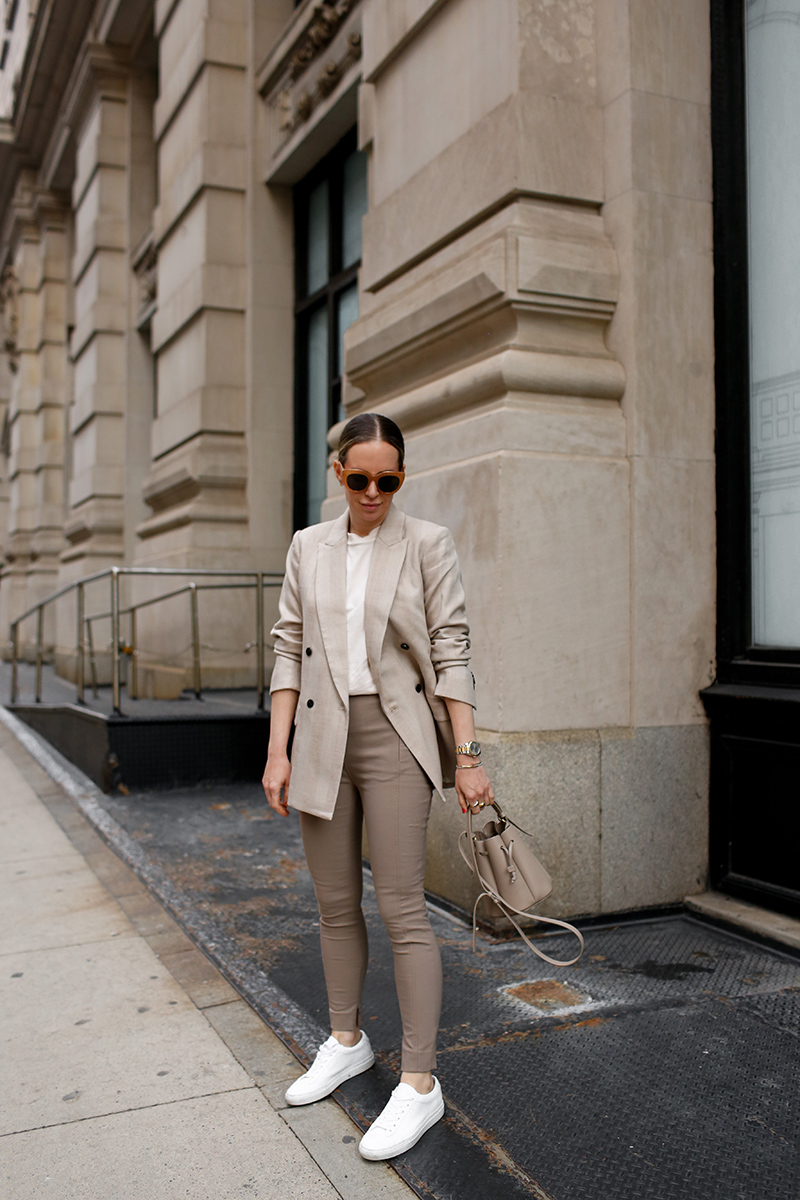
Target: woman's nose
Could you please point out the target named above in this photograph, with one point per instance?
(372, 491)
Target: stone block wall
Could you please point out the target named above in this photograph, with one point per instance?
(535, 312)
(537, 308)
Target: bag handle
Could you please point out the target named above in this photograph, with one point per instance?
(503, 905)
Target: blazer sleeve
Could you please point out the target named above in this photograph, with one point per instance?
(288, 631)
(446, 616)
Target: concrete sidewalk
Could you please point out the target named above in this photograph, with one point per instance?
(130, 1068)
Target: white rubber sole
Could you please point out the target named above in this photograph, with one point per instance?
(433, 1117)
(329, 1085)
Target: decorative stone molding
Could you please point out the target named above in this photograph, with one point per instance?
(327, 19)
(525, 300)
(145, 266)
(5, 434)
(9, 306)
(294, 112)
(98, 71)
(201, 484)
(307, 73)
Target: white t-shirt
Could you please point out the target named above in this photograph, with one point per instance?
(359, 556)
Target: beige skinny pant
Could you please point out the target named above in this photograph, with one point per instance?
(383, 784)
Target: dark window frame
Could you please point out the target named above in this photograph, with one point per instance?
(331, 167)
(739, 661)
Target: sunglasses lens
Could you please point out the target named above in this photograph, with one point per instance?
(389, 483)
(357, 483)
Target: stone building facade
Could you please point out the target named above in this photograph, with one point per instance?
(534, 307)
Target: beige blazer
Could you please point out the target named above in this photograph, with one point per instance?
(417, 645)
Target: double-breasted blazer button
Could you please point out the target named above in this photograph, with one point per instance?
(404, 645)
(308, 651)
(309, 703)
(418, 688)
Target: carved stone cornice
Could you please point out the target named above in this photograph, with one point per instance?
(297, 106)
(318, 52)
(320, 33)
(98, 70)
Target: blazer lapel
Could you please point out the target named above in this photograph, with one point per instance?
(331, 600)
(388, 556)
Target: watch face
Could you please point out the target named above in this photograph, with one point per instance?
(474, 748)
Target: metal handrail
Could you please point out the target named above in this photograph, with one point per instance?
(131, 611)
(253, 579)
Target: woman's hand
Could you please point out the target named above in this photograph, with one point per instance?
(275, 781)
(278, 770)
(473, 789)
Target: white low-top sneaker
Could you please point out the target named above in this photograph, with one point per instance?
(334, 1063)
(403, 1121)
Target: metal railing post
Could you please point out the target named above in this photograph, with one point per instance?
(195, 638)
(81, 659)
(14, 657)
(115, 639)
(39, 651)
(260, 639)
(92, 658)
(133, 686)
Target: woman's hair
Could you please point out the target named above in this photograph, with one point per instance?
(371, 427)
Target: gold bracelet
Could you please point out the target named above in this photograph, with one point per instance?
(468, 766)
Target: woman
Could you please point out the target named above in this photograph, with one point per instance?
(372, 665)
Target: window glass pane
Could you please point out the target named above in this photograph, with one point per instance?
(354, 205)
(346, 313)
(317, 367)
(773, 178)
(317, 248)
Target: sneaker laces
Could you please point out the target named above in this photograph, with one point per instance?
(325, 1051)
(395, 1110)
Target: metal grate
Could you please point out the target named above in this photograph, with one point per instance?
(668, 1067)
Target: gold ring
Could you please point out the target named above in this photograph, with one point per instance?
(481, 804)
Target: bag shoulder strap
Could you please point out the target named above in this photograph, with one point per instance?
(504, 906)
(501, 904)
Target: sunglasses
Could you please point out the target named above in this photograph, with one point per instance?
(385, 481)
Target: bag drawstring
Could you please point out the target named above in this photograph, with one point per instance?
(508, 850)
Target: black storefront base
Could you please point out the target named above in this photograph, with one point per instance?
(755, 793)
(156, 751)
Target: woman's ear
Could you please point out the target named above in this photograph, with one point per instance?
(337, 467)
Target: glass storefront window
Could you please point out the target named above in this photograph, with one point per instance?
(772, 41)
(354, 206)
(318, 252)
(317, 399)
(329, 207)
(346, 313)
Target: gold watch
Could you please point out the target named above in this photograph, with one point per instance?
(473, 749)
